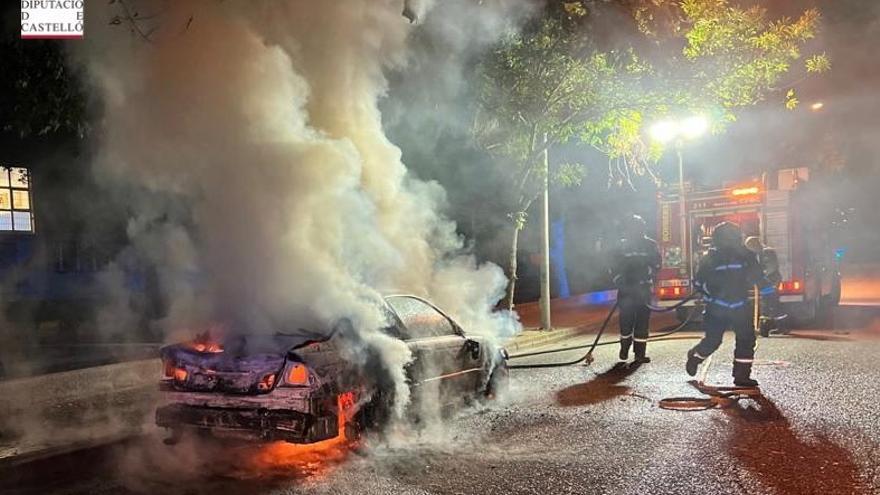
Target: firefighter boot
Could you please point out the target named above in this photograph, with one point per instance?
(639, 349)
(764, 326)
(778, 329)
(625, 342)
(742, 375)
(693, 362)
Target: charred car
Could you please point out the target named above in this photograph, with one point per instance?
(304, 387)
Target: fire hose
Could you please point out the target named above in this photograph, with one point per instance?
(718, 396)
(661, 309)
(588, 357)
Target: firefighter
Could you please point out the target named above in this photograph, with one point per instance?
(635, 263)
(725, 276)
(769, 263)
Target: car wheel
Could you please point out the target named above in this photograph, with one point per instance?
(832, 299)
(377, 413)
(809, 317)
(353, 430)
(499, 382)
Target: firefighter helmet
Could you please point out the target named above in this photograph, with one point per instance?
(754, 244)
(727, 235)
(635, 226)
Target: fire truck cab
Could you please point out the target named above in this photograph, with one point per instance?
(780, 211)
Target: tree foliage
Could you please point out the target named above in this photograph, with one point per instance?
(736, 56)
(552, 79)
(39, 94)
(549, 83)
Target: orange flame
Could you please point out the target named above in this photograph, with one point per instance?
(205, 343)
(308, 459)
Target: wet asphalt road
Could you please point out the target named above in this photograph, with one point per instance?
(565, 430)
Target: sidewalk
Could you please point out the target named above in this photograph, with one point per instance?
(43, 359)
(60, 412)
(571, 316)
(532, 338)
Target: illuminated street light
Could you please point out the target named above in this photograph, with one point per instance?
(817, 106)
(687, 128)
(664, 131)
(694, 127)
(680, 130)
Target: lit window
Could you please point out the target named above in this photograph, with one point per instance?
(16, 212)
(21, 199)
(21, 220)
(19, 177)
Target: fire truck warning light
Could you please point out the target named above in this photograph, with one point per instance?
(745, 191)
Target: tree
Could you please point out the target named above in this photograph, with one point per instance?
(551, 83)
(537, 92)
(39, 94)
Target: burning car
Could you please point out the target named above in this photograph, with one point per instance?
(302, 388)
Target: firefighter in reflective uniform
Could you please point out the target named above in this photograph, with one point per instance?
(636, 260)
(770, 303)
(725, 277)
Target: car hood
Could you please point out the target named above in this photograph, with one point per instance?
(243, 362)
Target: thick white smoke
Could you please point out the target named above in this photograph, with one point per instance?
(255, 125)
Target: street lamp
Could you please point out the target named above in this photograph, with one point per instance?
(664, 131)
(678, 131)
(687, 128)
(694, 127)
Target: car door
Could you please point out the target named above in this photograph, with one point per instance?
(446, 363)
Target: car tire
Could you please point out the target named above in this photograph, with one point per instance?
(832, 299)
(377, 413)
(353, 430)
(498, 383)
(810, 315)
(828, 303)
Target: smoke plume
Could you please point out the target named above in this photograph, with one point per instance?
(267, 192)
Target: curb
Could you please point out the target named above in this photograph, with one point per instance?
(27, 395)
(531, 339)
(81, 409)
(12, 457)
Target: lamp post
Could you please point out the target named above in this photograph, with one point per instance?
(682, 211)
(680, 131)
(544, 303)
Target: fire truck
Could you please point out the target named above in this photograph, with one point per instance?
(783, 212)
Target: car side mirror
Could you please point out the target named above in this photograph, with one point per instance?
(473, 347)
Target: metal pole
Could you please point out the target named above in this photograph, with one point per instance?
(545, 244)
(682, 214)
